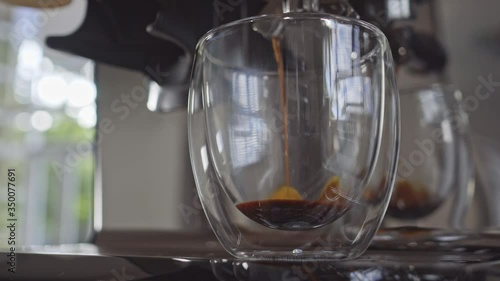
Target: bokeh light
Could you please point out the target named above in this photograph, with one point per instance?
(81, 92)
(29, 58)
(87, 117)
(51, 91)
(41, 120)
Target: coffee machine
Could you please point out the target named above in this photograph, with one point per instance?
(144, 186)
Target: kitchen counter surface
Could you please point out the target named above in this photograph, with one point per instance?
(397, 254)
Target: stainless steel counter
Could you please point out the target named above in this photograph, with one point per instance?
(400, 254)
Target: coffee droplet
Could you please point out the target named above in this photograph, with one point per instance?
(286, 192)
(331, 190)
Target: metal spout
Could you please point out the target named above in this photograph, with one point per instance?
(335, 7)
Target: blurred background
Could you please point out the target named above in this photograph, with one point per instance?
(47, 108)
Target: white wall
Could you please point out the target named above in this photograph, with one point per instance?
(465, 26)
(145, 163)
(470, 31)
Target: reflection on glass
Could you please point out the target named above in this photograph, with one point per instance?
(246, 127)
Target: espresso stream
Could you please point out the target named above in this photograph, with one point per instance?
(281, 77)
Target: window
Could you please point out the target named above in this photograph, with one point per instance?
(48, 115)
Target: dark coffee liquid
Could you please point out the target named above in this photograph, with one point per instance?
(412, 213)
(410, 201)
(284, 214)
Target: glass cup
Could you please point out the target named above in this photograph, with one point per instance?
(293, 134)
(433, 186)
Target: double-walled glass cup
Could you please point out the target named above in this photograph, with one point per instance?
(293, 131)
(434, 186)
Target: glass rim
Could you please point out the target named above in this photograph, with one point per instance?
(381, 38)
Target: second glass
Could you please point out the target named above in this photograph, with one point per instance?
(434, 185)
(293, 130)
